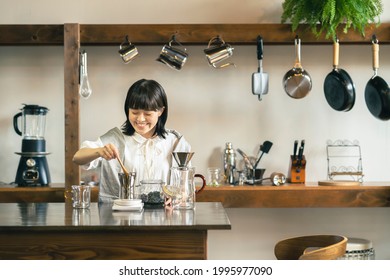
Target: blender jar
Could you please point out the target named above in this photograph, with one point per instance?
(33, 122)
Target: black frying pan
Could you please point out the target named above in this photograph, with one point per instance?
(377, 92)
(338, 85)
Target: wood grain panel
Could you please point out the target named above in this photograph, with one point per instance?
(52, 193)
(298, 196)
(168, 245)
(25, 34)
(72, 104)
(103, 34)
(150, 34)
(99, 34)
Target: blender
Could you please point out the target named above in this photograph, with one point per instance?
(33, 169)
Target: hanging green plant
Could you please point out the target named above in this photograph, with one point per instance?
(324, 16)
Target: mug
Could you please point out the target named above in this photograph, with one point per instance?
(172, 56)
(81, 196)
(217, 51)
(127, 51)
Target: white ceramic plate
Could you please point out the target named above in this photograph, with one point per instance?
(128, 202)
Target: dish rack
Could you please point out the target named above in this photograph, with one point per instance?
(344, 160)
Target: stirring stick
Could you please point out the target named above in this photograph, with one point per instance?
(123, 167)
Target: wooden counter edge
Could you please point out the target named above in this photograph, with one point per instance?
(375, 194)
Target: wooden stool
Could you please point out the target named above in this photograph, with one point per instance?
(313, 247)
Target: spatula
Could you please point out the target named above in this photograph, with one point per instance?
(260, 78)
(263, 149)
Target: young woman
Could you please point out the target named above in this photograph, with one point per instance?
(143, 143)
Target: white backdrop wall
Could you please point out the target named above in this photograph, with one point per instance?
(210, 107)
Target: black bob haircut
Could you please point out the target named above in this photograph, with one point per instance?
(146, 95)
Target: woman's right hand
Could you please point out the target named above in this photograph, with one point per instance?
(86, 155)
(109, 152)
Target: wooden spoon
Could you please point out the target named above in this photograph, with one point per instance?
(123, 167)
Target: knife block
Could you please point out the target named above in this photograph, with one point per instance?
(296, 172)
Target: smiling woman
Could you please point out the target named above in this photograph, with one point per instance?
(143, 144)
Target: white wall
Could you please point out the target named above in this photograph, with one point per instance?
(209, 107)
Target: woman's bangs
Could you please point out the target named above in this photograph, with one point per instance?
(142, 101)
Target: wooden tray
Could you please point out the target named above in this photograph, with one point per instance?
(338, 183)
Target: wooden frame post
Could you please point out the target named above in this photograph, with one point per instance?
(72, 104)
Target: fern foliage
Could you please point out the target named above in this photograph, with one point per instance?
(325, 16)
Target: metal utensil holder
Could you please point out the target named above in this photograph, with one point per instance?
(344, 159)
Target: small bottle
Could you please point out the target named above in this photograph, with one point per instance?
(229, 163)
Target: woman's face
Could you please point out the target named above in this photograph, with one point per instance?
(144, 122)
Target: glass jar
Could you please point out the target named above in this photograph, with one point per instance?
(150, 192)
(214, 177)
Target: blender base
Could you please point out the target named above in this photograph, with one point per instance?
(36, 175)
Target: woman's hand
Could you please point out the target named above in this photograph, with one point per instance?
(109, 152)
(86, 155)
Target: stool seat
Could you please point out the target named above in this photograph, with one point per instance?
(311, 247)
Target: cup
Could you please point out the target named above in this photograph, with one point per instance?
(127, 51)
(255, 176)
(81, 217)
(126, 188)
(81, 196)
(213, 177)
(217, 51)
(173, 57)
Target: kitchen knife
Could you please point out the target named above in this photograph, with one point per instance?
(300, 155)
(302, 146)
(295, 149)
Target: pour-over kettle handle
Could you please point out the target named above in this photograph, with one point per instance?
(16, 127)
(203, 183)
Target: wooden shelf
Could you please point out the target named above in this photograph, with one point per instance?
(157, 34)
(297, 195)
(293, 195)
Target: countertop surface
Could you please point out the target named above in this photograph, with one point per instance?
(62, 216)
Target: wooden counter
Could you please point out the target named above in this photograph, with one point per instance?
(369, 194)
(57, 231)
